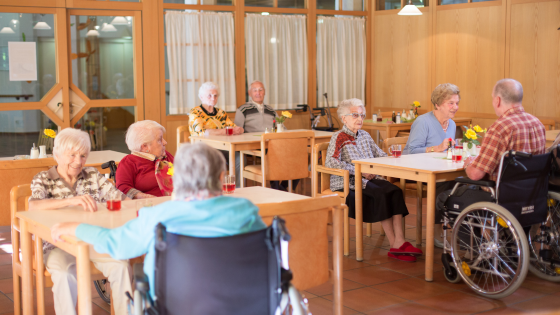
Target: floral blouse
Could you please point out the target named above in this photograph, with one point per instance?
(200, 120)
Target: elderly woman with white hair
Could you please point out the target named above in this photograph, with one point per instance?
(143, 173)
(198, 210)
(71, 184)
(382, 201)
(207, 118)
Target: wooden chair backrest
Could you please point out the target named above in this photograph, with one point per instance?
(287, 156)
(183, 134)
(549, 124)
(395, 140)
(16, 193)
(324, 178)
(306, 221)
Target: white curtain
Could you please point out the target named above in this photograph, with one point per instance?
(276, 54)
(341, 59)
(200, 48)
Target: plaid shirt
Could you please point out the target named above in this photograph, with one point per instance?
(514, 130)
(346, 146)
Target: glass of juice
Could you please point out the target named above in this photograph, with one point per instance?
(114, 201)
(229, 131)
(228, 186)
(457, 154)
(396, 150)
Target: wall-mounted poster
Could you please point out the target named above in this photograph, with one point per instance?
(23, 61)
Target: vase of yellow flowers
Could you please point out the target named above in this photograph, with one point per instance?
(471, 138)
(415, 105)
(47, 139)
(280, 121)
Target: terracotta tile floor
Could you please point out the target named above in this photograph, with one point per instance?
(378, 285)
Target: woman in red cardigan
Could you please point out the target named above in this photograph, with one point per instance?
(143, 173)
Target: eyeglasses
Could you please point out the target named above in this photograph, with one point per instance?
(356, 115)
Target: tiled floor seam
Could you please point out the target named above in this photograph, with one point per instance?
(358, 312)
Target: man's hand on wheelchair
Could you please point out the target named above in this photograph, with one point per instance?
(65, 228)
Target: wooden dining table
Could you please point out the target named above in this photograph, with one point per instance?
(423, 168)
(39, 223)
(551, 136)
(247, 141)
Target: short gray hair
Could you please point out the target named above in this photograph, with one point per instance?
(141, 132)
(344, 108)
(207, 86)
(443, 92)
(254, 82)
(71, 139)
(510, 90)
(197, 170)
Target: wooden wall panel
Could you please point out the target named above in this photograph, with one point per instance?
(401, 61)
(535, 56)
(469, 49)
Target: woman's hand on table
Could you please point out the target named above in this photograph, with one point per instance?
(444, 145)
(143, 196)
(237, 130)
(86, 201)
(368, 176)
(65, 228)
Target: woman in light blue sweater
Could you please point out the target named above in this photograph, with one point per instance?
(431, 132)
(199, 210)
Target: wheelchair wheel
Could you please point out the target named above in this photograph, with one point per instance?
(489, 250)
(453, 277)
(544, 243)
(103, 290)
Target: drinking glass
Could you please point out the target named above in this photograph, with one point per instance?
(396, 150)
(457, 154)
(459, 142)
(229, 131)
(114, 201)
(228, 186)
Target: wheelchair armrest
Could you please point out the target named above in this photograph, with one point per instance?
(140, 278)
(466, 180)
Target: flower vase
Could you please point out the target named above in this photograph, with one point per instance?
(466, 152)
(415, 112)
(280, 127)
(42, 151)
(472, 150)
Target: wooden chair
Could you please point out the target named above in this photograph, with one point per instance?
(321, 185)
(286, 158)
(396, 140)
(549, 124)
(43, 279)
(306, 221)
(183, 134)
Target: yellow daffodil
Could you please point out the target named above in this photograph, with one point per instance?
(416, 104)
(286, 114)
(50, 133)
(471, 134)
(170, 169)
(477, 128)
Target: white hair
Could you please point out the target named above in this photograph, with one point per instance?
(207, 86)
(345, 107)
(197, 171)
(141, 132)
(254, 82)
(71, 139)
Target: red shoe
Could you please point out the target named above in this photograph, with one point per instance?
(406, 249)
(405, 258)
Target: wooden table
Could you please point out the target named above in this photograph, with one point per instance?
(39, 223)
(393, 129)
(425, 167)
(18, 172)
(247, 141)
(551, 136)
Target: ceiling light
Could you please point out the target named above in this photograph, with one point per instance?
(92, 33)
(265, 13)
(108, 28)
(41, 26)
(410, 9)
(96, 27)
(14, 21)
(7, 30)
(119, 20)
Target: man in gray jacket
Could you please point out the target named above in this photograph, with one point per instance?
(255, 116)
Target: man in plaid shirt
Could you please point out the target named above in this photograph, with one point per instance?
(513, 130)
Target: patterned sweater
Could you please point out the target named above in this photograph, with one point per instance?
(251, 119)
(200, 120)
(346, 146)
(49, 185)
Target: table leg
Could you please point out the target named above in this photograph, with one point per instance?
(418, 214)
(359, 215)
(241, 168)
(403, 188)
(430, 228)
(337, 259)
(39, 276)
(232, 159)
(84, 279)
(27, 269)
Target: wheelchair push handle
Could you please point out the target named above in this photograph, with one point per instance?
(521, 154)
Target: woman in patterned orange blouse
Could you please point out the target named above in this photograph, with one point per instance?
(206, 118)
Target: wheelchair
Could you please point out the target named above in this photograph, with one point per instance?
(241, 274)
(491, 240)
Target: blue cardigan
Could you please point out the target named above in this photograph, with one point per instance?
(214, 217)
(426, 132)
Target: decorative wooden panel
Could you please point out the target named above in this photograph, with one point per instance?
(469, 49)
(401, 61)
(535, 56)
